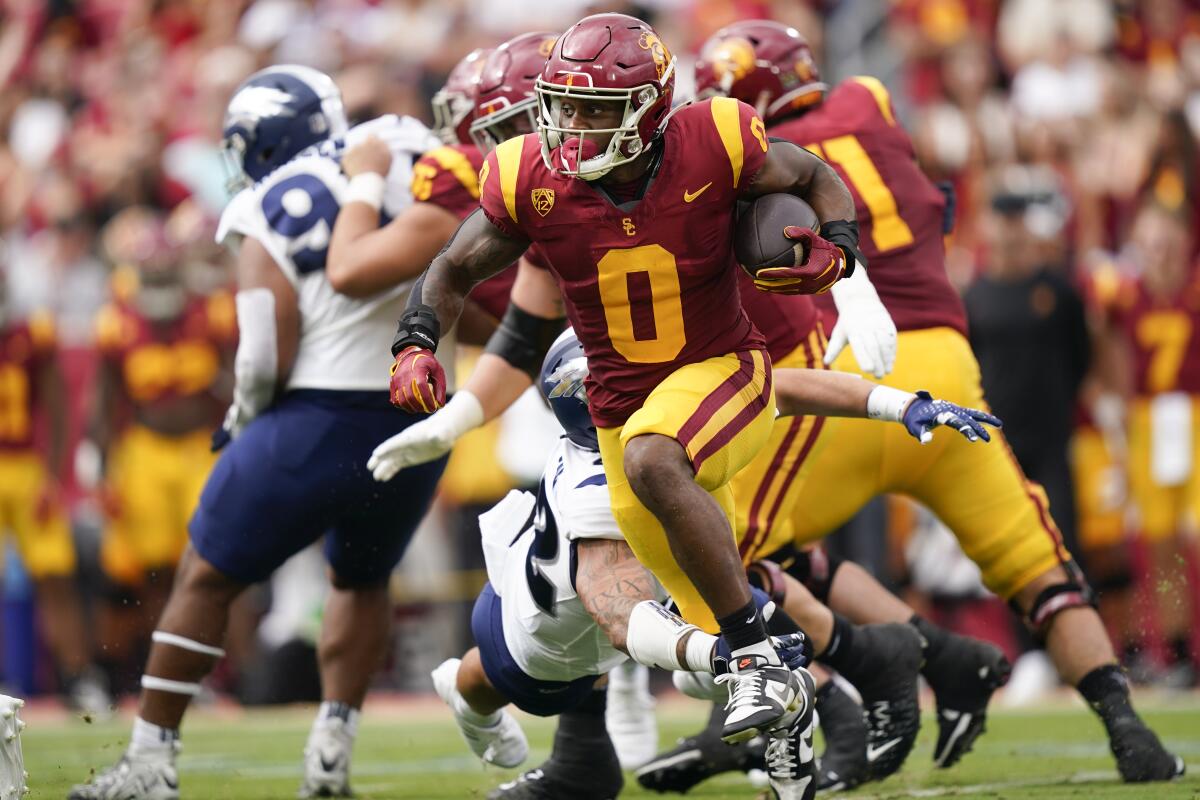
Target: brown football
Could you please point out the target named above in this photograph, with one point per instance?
(759, 242)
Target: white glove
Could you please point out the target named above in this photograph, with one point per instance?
(864, 324)
(428, 439)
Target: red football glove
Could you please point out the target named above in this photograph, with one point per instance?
(819, 265)
(418, 382)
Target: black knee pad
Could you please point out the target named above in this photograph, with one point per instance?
(768, 576)
(1072, 593)
(815, 568)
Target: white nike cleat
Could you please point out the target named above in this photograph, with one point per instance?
(139, 775)
(791, 758)
(327, 760)
(629, 715)
(500, 743)
(761, 694)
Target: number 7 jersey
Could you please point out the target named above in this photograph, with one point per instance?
(900, 211)
(651, 285)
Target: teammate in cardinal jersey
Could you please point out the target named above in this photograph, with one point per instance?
(166, 360)
(1012, 535)
(479, 95)
(309, 403)
(791, 328)
(632, 207)
(1152, 317)
(32, 508)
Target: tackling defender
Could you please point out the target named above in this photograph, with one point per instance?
(566, 594)
(309, 404)
(680, 386)
(1011, 536)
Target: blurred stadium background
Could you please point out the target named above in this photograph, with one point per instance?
(1055, 120)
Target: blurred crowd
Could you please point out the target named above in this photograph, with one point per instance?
(1067, 129)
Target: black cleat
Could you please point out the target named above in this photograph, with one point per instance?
(843, 765)
(582, 765)
(963, 674)
(698, 758)
(1141, 758)
(549, 782)
(887, 680)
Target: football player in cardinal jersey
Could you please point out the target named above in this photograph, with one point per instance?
(632, 207)
(490, 87)
(1150, 321)
(566, 597)
(309, 404)
(166, 364)
(1003, 524)
(32, 507)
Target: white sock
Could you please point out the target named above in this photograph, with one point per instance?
(462, 709)
(763, 648)
(150, 738)
(331, 709)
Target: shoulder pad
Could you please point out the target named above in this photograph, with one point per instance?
(879, 93)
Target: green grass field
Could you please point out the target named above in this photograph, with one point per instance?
(413, 751)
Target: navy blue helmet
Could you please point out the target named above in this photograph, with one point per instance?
(563, 373)
(276, 113)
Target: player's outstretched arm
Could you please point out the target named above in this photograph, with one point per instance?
(514, 355)
(268, 315)
(611, 582)
(477, 251)
(839, 394)
(364, 258)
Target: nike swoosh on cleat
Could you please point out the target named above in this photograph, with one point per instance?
(329, 766)
(960, 728)
(672, 761)
(874, 751)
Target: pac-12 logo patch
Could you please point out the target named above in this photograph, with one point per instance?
(543, 200)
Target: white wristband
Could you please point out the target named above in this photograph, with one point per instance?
(888, 404)
(366, 187)
(463, 413)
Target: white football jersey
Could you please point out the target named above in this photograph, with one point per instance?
(529, 545)
(345, 343)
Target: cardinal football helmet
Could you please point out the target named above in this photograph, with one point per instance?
(764, 64)
(563, 374)
(606, 57)
(275, 114)
(452, 103)
(504, 89)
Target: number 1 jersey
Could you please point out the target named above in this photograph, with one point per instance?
(650, 285)
(900, 212)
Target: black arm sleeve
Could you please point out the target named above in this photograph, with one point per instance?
(524, 339)
(419, 323)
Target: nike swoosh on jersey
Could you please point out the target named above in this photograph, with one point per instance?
(690, 196)
(875, 751)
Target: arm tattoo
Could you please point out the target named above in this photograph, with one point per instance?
(610, 582)
(477, 251)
